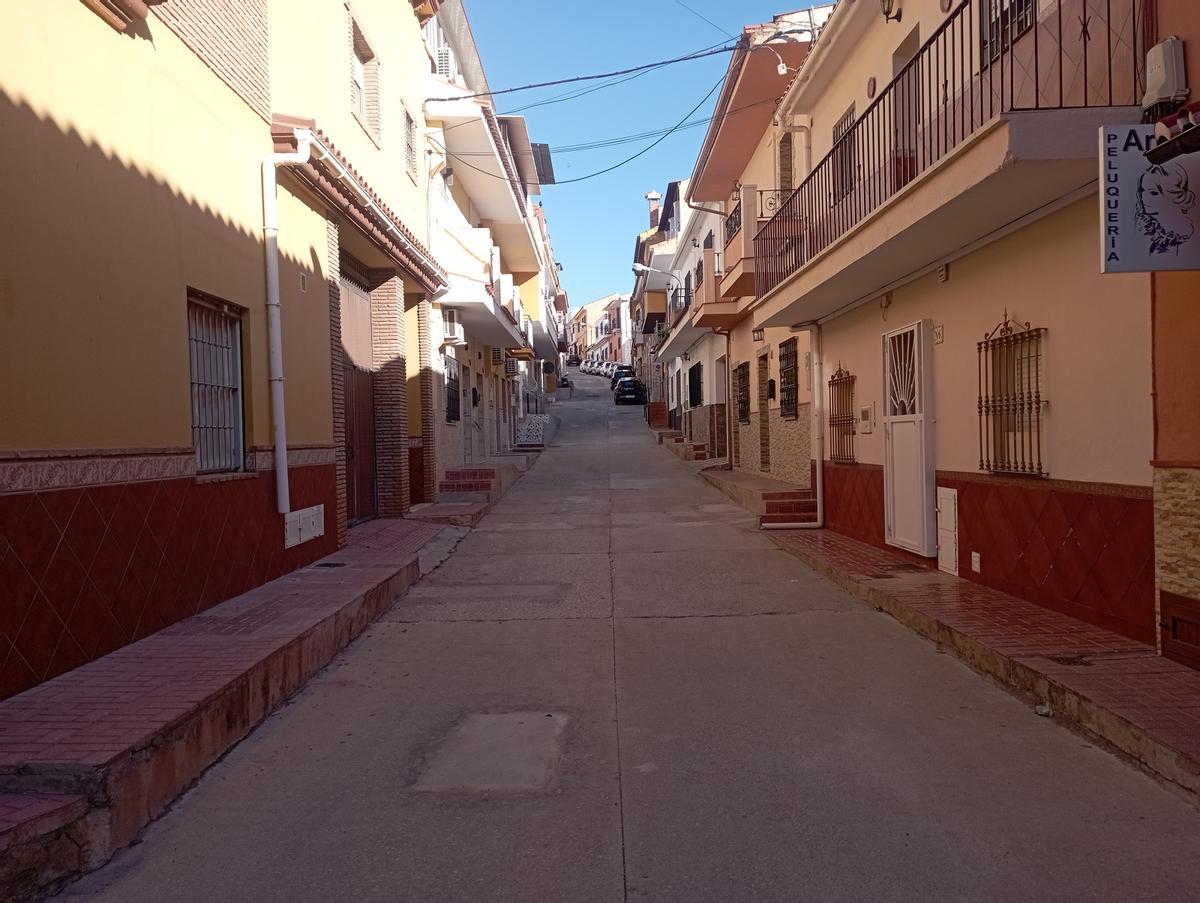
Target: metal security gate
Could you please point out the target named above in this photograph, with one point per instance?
(908, 467)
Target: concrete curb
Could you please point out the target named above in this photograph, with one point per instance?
(1068, 706)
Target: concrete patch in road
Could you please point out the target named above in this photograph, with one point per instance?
(630, 538)
(498, 751)
(564, 542)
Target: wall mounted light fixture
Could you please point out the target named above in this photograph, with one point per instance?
(889, 8)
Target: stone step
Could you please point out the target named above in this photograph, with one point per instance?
(465, 486)
(459, 474)
(788, 518)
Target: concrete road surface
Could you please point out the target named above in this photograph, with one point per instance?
(616, 689)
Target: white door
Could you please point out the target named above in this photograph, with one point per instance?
(908, 474)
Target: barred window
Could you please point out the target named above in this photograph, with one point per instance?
(1011, 400)
(696, 386)
(410, 144)
(215, 352)
(842, 417)
(453, 392)
(743, 392)
(1001, 22)
(789, 372)
(845, 156)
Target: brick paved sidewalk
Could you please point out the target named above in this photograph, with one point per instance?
(89, 758)
(1111, 688)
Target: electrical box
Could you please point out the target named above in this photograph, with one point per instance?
(303, 525)
(1166, 77)
(866, 419)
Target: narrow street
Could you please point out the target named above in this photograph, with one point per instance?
(694, 716)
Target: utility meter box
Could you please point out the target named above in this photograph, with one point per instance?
(1166, 77)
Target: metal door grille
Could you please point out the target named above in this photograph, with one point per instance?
(696, 385)
(453, 398)
(841, 417)
(1010, 399)
(743, 392)
(215, 351)
(789, 371)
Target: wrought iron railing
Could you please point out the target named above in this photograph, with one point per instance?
(698, 278)
(1011, 399)
(842, 418)
(733, 224)
(681, 301)
(789, 378)
(982, 62)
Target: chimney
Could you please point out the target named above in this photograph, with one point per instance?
(653, 197)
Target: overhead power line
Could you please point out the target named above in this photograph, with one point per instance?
(582, 78)
(700, 15)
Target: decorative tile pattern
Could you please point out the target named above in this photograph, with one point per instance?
(1087, 554)
(88, 570)
(854, 501)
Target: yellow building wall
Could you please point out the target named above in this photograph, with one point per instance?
(1098, 425)
(310, 77)
(130, 172)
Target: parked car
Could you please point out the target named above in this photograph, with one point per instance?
(620, 372)
(573, 360)
(609, 367)
(629, 391)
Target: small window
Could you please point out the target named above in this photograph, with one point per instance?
(841, 417)
(410, 144)
(364, 81)
(1011, 399)
(215, 352)
(453, 392)
(845, 155)
(789, 371)
(1001, 23)
(743, 392)
(696, 386)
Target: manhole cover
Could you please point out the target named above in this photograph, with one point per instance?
(503, 751)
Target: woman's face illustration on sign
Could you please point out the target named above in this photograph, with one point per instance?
(1165, 204)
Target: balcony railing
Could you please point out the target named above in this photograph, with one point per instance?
(769, 201)
(988, 58)
(681, 302)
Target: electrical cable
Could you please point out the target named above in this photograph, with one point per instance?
(583, 78)
(700, 15)
(618, 165)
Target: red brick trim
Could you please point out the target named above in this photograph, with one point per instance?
(320, 177)
(391, 398)
(337, 378)
(1046, 485)
(428, 414)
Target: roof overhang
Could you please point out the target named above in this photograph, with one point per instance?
(329, 176)
(753, 87)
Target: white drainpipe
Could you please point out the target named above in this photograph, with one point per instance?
(817, 432)
(274, 322)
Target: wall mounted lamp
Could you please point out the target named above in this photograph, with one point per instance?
(889, 8)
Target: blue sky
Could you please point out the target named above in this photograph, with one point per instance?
(593, 223)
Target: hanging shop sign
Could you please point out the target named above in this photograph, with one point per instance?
(1149, 219)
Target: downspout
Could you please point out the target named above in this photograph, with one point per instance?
(817, 431)
(728, 379)
(274, 319)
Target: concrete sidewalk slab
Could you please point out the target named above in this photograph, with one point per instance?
(1111, 688)
(129, 732)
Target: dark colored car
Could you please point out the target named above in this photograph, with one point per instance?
(629, 391)
(620, 373)
(573, 360)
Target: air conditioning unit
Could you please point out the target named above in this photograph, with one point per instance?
(510, 366)
(497, 357)
(452, 330)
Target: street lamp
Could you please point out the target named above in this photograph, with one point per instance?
(640, 268)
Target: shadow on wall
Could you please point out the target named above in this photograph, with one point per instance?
(101, 547)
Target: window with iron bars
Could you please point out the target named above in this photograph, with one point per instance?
(215, 359)
(743, 392)
(410, 144)
(1001, 23)
(453, 392)
(789, 372)
(845, 156)
(696, 386)
(842, 419)
(1011, 400)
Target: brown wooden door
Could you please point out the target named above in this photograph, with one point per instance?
(360, 444)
